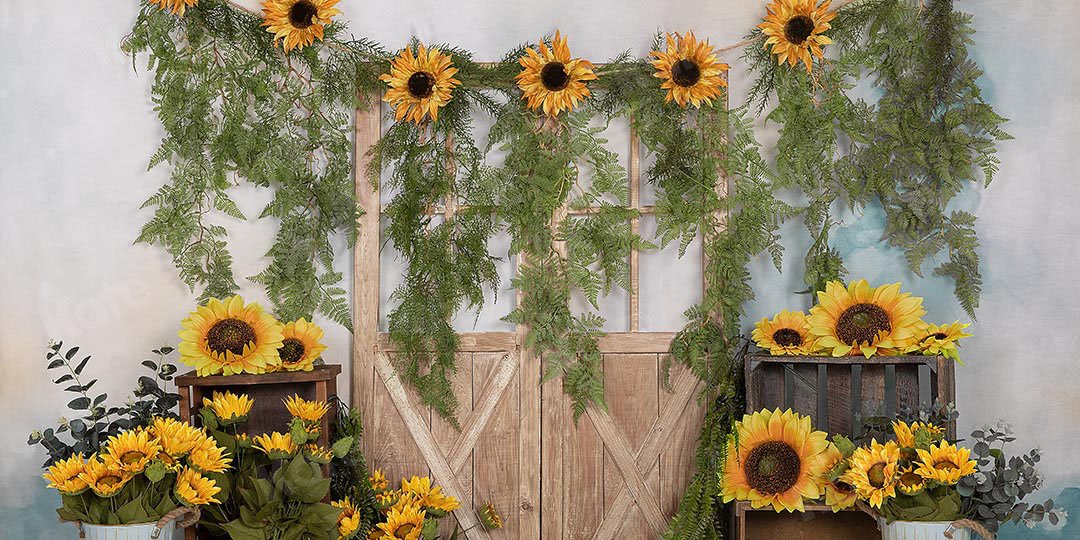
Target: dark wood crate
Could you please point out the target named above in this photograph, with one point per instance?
(818, 522)
(838, 393)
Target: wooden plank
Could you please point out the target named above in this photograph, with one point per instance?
(678, 455)
(907, 388)
(572, 464)
(856, 399)
(890, 391)
(631, 384)
(805, 398)
(839, 398)
(320, 373)
(482, 342)
(486, 398)
(634, 178)
(623, 457)
(946, 387)
(392, 448)
(446, 435)
(529, 447)
(636, 343)
(877, 360)
(495, 459)
(419, 428)
(366, 271)
(822, 416)
(873, 390)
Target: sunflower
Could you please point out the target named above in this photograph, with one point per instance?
(229, 407)
(945, 463)
(64, 475)
(935, 340)
(308, 411)
(786, 334)
(419, 83)
(275, 445)
(388, 499)
(429, 496)
(228, 337)
(105, 480)
(490, 518)
(795, 30)
(194, 489)
(777, 461)
(690, 71)
(318, 454)
(909, 482)
(916, 434)
(873, 471)
(131, 451)
(865, 320)
(208, 457)
(551, 80)
(175, 437)
(839, 495)
(348, 522)
(405, 523)
(297, 22)
(378, 480)
(300, 346)
(176, 7)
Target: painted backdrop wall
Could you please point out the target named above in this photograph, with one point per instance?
(77, 127)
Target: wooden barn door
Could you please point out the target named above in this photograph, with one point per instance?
(618, 473)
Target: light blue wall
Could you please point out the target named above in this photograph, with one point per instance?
(78, 126)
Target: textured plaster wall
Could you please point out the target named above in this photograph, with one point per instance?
(77, 126)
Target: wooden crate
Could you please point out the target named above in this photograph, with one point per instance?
(268, 390)
(839, 393)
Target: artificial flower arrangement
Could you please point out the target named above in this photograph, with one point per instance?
(140, 475)
(858, 319)
(777, 459)
(228, 337)
(277, 486)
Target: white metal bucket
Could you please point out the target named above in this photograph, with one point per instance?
(138, 531)
(920, 530)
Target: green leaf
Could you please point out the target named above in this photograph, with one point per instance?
(342, 446)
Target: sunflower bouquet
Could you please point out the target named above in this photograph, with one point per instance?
(413, 511)
(858, 319)
(140, 475)
(228, 337)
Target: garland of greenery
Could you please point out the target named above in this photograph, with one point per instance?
(235, 107)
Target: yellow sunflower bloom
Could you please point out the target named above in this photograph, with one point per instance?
(104, 480)
(308, 411)
(908, 436)
(839, 495)
(176, 7)
(131, 451)
(348, 521)
(404, 523)
(777, 461)
(795, 30)
(228, 337)
(275, 445)
(910, 482)
(318, 454)
(419, 83)
(229, 407)
(378, 480)
(194, 489)
(298, 22)
(552, 81)
(865, 320)
(690, 71)
(788, 333)
(428, 496)
(388, 499)
(63, 475)
(945, 464)
(873, 471)
(935, 340)
(490, 518)
(208, 457)
(175, 438)
(301, 346)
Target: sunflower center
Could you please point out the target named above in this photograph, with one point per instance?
(798, 28)
(302, 14)
(685, 73)
(131, 456)
(421, 84)
(772, 467)
(291, 351)
(861, 323)
(945, 465)
(230, 335)
(554, 76)
(109, 481)
(876, 475)
(786, 337)
(910, 479)
(939, 335)
(403, 530)
(842, 486)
